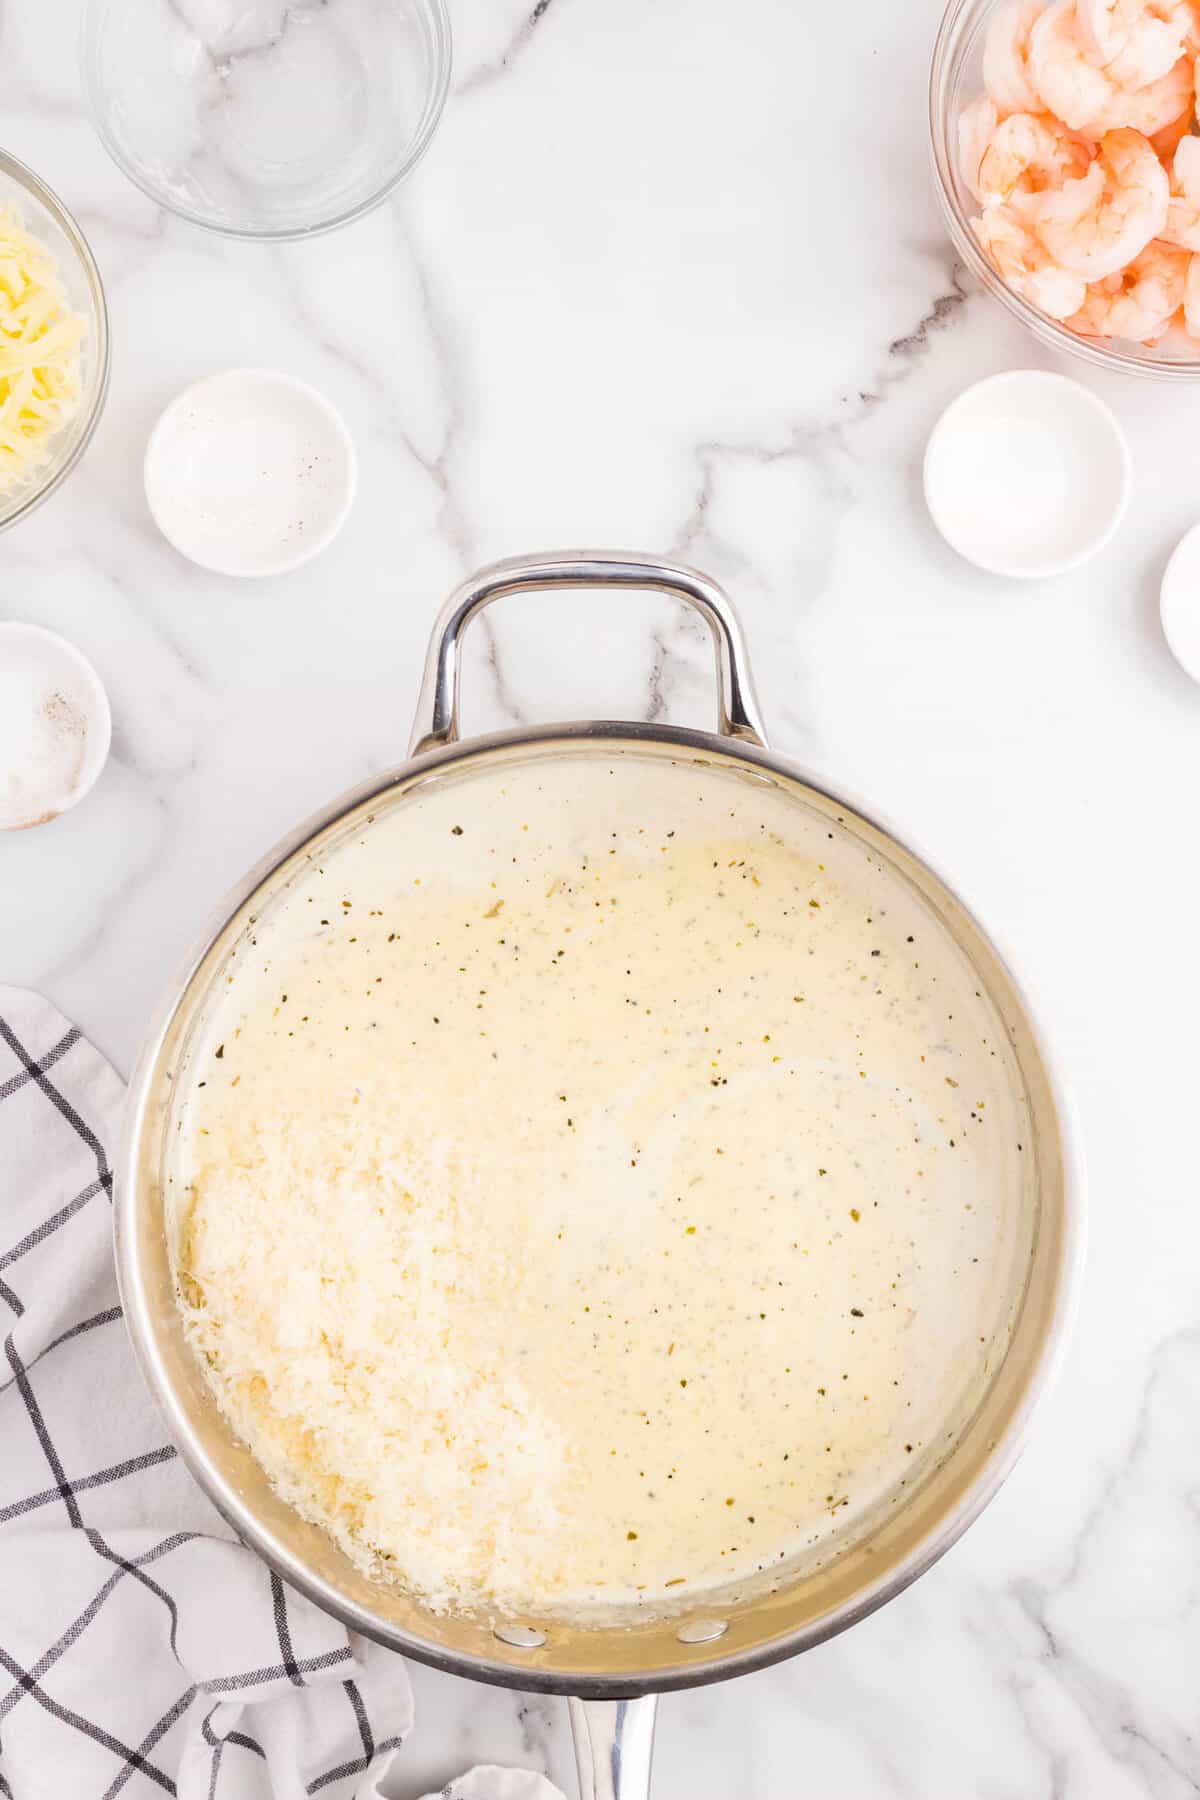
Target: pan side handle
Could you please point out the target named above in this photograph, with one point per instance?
(436, 721)
(614, 1746)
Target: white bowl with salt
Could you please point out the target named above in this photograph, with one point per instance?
(55, 726)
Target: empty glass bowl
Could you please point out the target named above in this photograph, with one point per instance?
(956, 77)
(266, 118)
(46, 218)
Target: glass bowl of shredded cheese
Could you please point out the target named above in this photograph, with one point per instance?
(53, 342)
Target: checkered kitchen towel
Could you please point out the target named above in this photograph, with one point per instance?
(142, 1649)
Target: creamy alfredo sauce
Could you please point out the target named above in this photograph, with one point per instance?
(601, 1181)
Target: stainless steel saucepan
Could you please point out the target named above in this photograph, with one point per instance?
(613, 1673)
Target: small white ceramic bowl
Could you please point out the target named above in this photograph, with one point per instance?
(1179, 602)
(250, 472)
(1027, 474)
(55, 726)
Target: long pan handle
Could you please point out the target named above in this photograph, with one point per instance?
(614, 1746)
(437, 708)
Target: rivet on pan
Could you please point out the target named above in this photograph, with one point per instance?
(521, 1637)
(702, 1631)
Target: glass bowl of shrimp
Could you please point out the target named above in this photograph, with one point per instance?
(1066, 150)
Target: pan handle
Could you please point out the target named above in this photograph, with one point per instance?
(437, 707)
(614, 1745)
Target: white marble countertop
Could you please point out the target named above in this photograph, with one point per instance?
(672, 277)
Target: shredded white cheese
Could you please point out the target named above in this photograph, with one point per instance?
(40, 337)
(336, 1281)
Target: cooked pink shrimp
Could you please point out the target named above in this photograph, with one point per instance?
(1167, 141)
(1183, 208)
(1022, 262)
(1138, 303)
(1135, 42)
(1026, 155)
(1006, 56)
(976, 128)
(1151, 109)
(1191, 298)
(1097, 224)
(1067, 83)
(1085, 96)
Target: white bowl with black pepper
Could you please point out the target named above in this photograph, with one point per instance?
(55, 726)
(250, 473)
